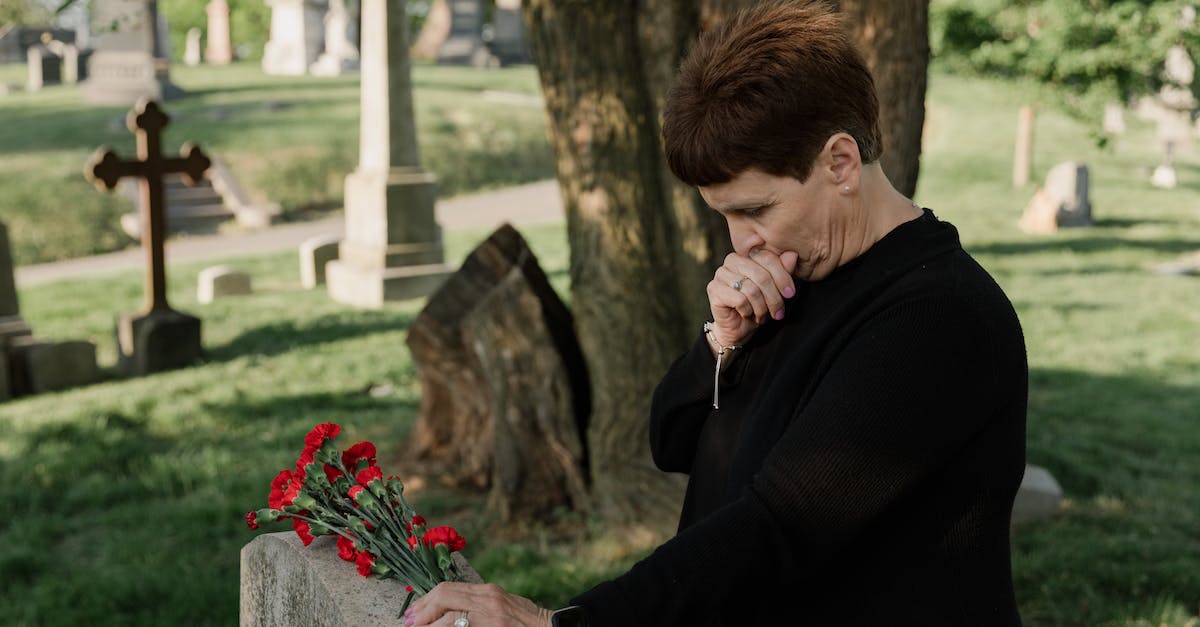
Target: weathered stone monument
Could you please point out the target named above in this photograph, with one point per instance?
(393, 244)
(130, 60)
(340, 55)
(1064, 200)
(29, 365)
(297, 35)
(157, 337)
(216, 282)
(285, 583)
(218, 50)
(464, 44)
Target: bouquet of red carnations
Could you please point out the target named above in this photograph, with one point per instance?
(345, 493)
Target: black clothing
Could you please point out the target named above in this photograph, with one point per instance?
(863, 463)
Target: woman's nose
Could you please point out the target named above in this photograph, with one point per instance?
(743, 237)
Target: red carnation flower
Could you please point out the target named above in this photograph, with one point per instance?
(332, 473)
(279, 485)
(370, 474)
(345, 548)
(417, 521)
(305, 459)
(358, 452)
(408, 588)
(444, 535)
(252, 520)
(354, 491)
(293, 490)
(365, 561)
(320, 433)
(412, 541)
(302, 529)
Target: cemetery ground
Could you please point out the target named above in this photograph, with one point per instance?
(289, 140)
(124, 498)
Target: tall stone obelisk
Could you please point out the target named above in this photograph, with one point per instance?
(393, 244)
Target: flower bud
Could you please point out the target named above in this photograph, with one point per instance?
(304, 501)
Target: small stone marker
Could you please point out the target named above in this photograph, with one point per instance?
(1038, 497)
(191, 49)
(157, 337)
(52, 366)
(1114, 119)
(315, 252)
(285, 583)
(218, 281)
(1062, 202)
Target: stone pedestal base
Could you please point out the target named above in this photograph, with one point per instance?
(157, 341)
(371, 287)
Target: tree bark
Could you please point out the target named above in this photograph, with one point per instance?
(894, 38)
(643, 245)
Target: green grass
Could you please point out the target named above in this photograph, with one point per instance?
(128, 494)
(289, 140)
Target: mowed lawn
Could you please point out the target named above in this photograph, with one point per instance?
(125, 497)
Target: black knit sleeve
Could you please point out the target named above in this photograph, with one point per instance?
(681, 403)
(907, 391)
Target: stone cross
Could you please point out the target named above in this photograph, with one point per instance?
(105, 169)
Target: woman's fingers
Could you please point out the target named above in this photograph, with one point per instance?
(487, 605)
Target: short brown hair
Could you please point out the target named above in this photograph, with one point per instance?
(766, 89)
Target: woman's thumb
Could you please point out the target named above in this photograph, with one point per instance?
(789, 260)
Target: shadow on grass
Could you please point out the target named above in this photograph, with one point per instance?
(285, 408)
(1097, 244)
(281, 337)
(1111, 434)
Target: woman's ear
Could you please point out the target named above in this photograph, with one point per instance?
(844, 163)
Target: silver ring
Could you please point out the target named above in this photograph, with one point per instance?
(462, 620)
(737, 285)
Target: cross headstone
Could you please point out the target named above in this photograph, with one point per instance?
(130, 61)
(393, 244)
(218, 50)
(157, 337)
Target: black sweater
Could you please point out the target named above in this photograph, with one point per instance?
(862, 466)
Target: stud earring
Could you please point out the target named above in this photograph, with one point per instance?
(846, 189)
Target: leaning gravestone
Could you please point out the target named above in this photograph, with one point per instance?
(129, 62)
(1063, 201)
(285, 583)
(157, 337)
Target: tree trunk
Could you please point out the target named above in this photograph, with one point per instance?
(894, 38)
(643, 245)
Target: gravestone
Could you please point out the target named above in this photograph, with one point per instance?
(217, 281)
(297, 35)
(393, 244)
(11, 324)
(464, 44)
(508, 33)
(1174, 118)
(157, 337)
(285, 583)
(54, 366)
(1064, 200)
(45, 67)
(315, 253)
(130, 61)
(218, 50)
(1114, 119)
(191, 48)
(340, 55)
(1038, 497)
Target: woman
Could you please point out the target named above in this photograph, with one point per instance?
(853, 417)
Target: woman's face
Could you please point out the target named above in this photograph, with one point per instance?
(780, 214)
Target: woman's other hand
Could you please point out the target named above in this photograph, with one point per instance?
(486, 605)
(747, 291)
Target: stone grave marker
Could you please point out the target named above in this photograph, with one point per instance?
(54, 366)
(340, 54)
(157, 337)
(285, 583)
(1064, 200)
(218, 281)
(297, 36)
(218, 50)
(45, 67)
(1038, 497)
(129, 62)
(464, 44)
(1174, 117)
(11, 324)
(191, 48)
(1114, 119)
(315, 253)
(508, 35)
(393, 245)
